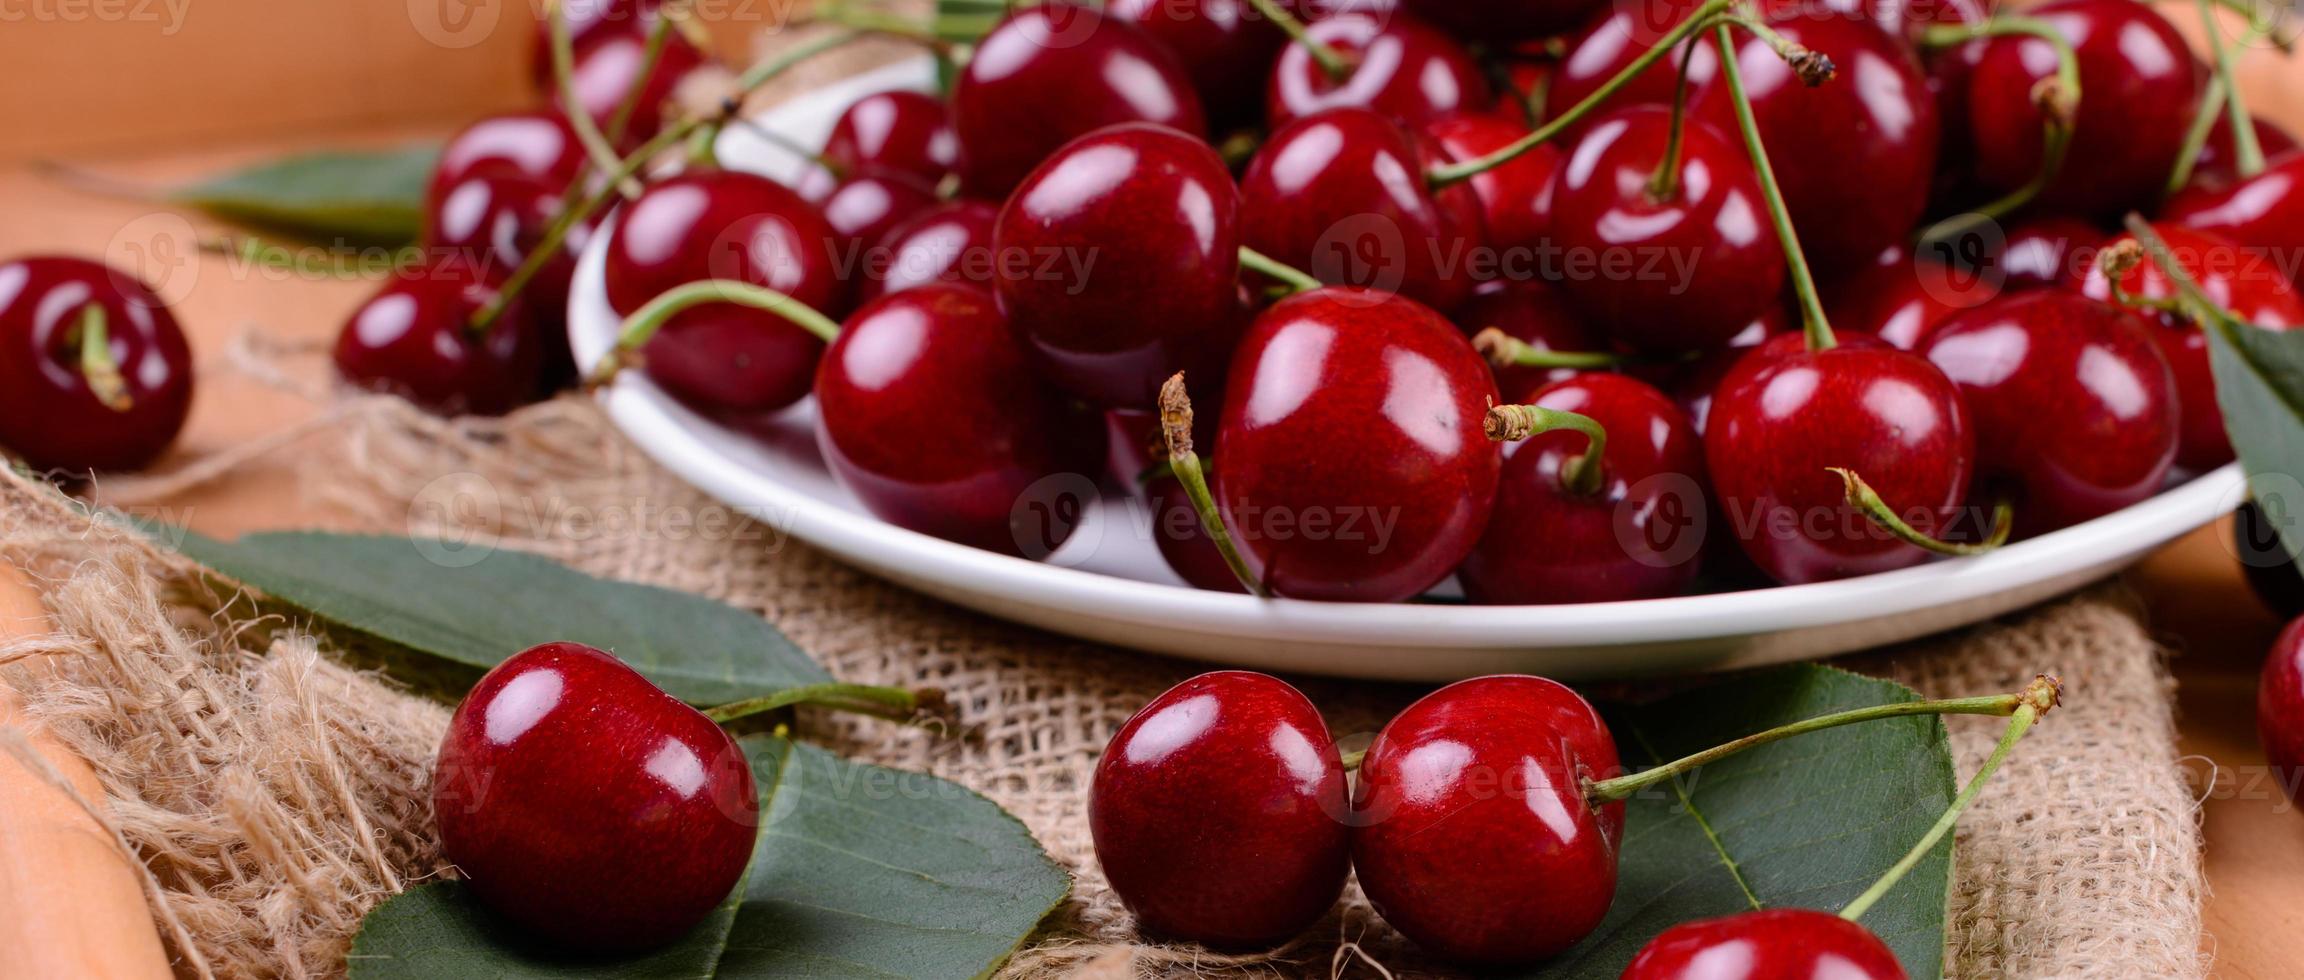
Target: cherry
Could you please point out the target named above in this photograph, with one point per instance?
(1901, 298)
(1765, 944)
(941, 355)
(1225, 47)
(1675, 272)
(94, 372)
(1503, 20)
(905, 132)
(1052, 72)
(1397, 65)
(946, 243)
(1578, 522)
(1217, 812)
(2218, 164)
(1534, 313)
(2263, 212)
(721, 224)
(1691, 384)
(535, 145)
(1354, 467)
(1183, 543)
(2280, 708)
(2079, 403)
(606, 65)
(862, 208)
(2047, 252)
(1472, 832)
(587, 18)
(414, 338)
(1151, 216)
(589, 807)
(1611, 42)
(1516, 197)
(2271, 571)
(1900, 18)
(498, 220)
(1339, 194)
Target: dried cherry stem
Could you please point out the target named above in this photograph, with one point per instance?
(1297, 280)
(642, 325)
(588, 133)
(1580, 476)
(96, 363)
(1328, 58)
(2057, 96)
(2122, 258)
(1862, 497)
(2040, 694)
(1176, 431)
(892, 703)
(1504, 350)
(2038, 699)
(1812, 320)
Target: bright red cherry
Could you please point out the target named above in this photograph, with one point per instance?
(607, 64)
(1010, 469)
(414, 339)
(62, 409)
(2218, 164)
(1673, 274)
(1218, 812)
(497, 220)
(535, 145)
(1900, 298)
(1532, 312)
(946, 243)
(1050, 73)
(2264, 212)
(1353, 464)
(1625, 536)
(1399, 66)
(589, 807)
(862, 208)
(1472, 833)
(1504, 20)
(906, 132)
(1515, 197)
(1611, 42)
(1225, 47)
(2079, 404)
(2280, 707)
(1766, 944)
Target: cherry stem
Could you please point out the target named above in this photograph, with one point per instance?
(96, 362)
(658, 36)
(1504, 350)
(1297, 280)
(2198, 307)
(767, 71)
(1664, 184)
(1351, 760)
(563, 78)
(1812, 319)
(2247, 153)
(1862, 497)
(702, 146)
(892, 703)
(1453, 173)
(644, 322)
(1330, 60)
(938, 36)
(2196, 135)
(1176, 431)
(1579, 476)
(2003, 705)
(2058, 98)
(2036, 702)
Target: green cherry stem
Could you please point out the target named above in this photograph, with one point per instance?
(2057, 96)
(2036, 702)
(2002, 705)
(2195, 302)
(2204, 118)
(96, 363)
(1297, 280)
(587, 132)
(1330, 60)
(1813, 69)
(892, 703)
(1504, 350)
(1862, 497)
(644, 322)
(1812, 319)
(1580, 476)
(651, 55)
(767, 71)
(1176, 432)
(2247, 153)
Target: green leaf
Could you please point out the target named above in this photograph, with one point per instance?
(449, 601)
(375, 197)
(860, 872)
(2260, 387)
(1809, 822)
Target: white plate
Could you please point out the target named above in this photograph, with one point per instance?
(1109, 584)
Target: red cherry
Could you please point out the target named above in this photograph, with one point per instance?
(947, 243)
(722, 224)
(1400, 67)
(1610, 43)
(1490, 21)
(589, 807)
(2139, 88)
(414, 339)
(1225, 47)
(52, 413)
(906, 132)
(862, 208)
(535, 145)
(1184, 544)
(1900, 298)
(1898, 17)
(497, 221)
(1006, 471)
(2263, 212)
(1472, 834)
(1691, 385)
(2218, 164)
(2048, 252)
(2079, 403)
(607, 64)
(1340, 194)
(1764, 945)
(1535, 313)
(1217, 812)
(1050, 73)
(587, 18)
(1549, 541)
(1516, 197)
(1669, 275)
(2280, 707)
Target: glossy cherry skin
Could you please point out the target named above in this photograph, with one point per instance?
(1516, 197)
(497, 221)
(609, 62)
(721, 224)
(413, 338)
(1900, 299)
(2271, 571)
(1766, 944)
(1532, 312)
(862, 208)
(2263, 212)
(2079, 403)
(1615, 38)
(2139, 88)
(1692, 384)
(1338, 194)
(589, 807)
(2218, 165)
(1875, 118)
(1666, 276)
(1401, 67)
(1547, 543)
(1890, 416)
(1504, 20)
(1010, 464)
(49, 416)
(906, 132)
(2047, 252)
(1353, 464)
(1053, 72)
(586, 19)
(536, 145)
(946, 243)
(1471, 831)
(1224, 46)
(1218, 812)
(2280, 707)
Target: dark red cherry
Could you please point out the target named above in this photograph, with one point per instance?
(1491, 21)
(2264, 212)
(414, 339)
(1533, 312)
(1400, 67)
(2280, 708)
(2139, 87)
(1900, 298)
(1472, 834)
(1225, 47)
(55, 413)
(1340, 195)
(1767, 944)
(862, 208)
(1010, 467)
(2078, 402)
(722, 224)
(1680, 273)
(1127, 262)
(2048, 252)
(1134, 445)
(1217, 812)
(587, 18)
(497, 221)
(1610, 42)
(946, 243)
(536, 145)
(1184, 544)
(1888, 415)
(607, 64)
(1516, 197)
(1353, 466)
(2264, 558)
(1692, 384)
(1875, 118)
(2218, 164)
(1053, 72)
(906, 132)
(589, 807)
(1630, 536)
